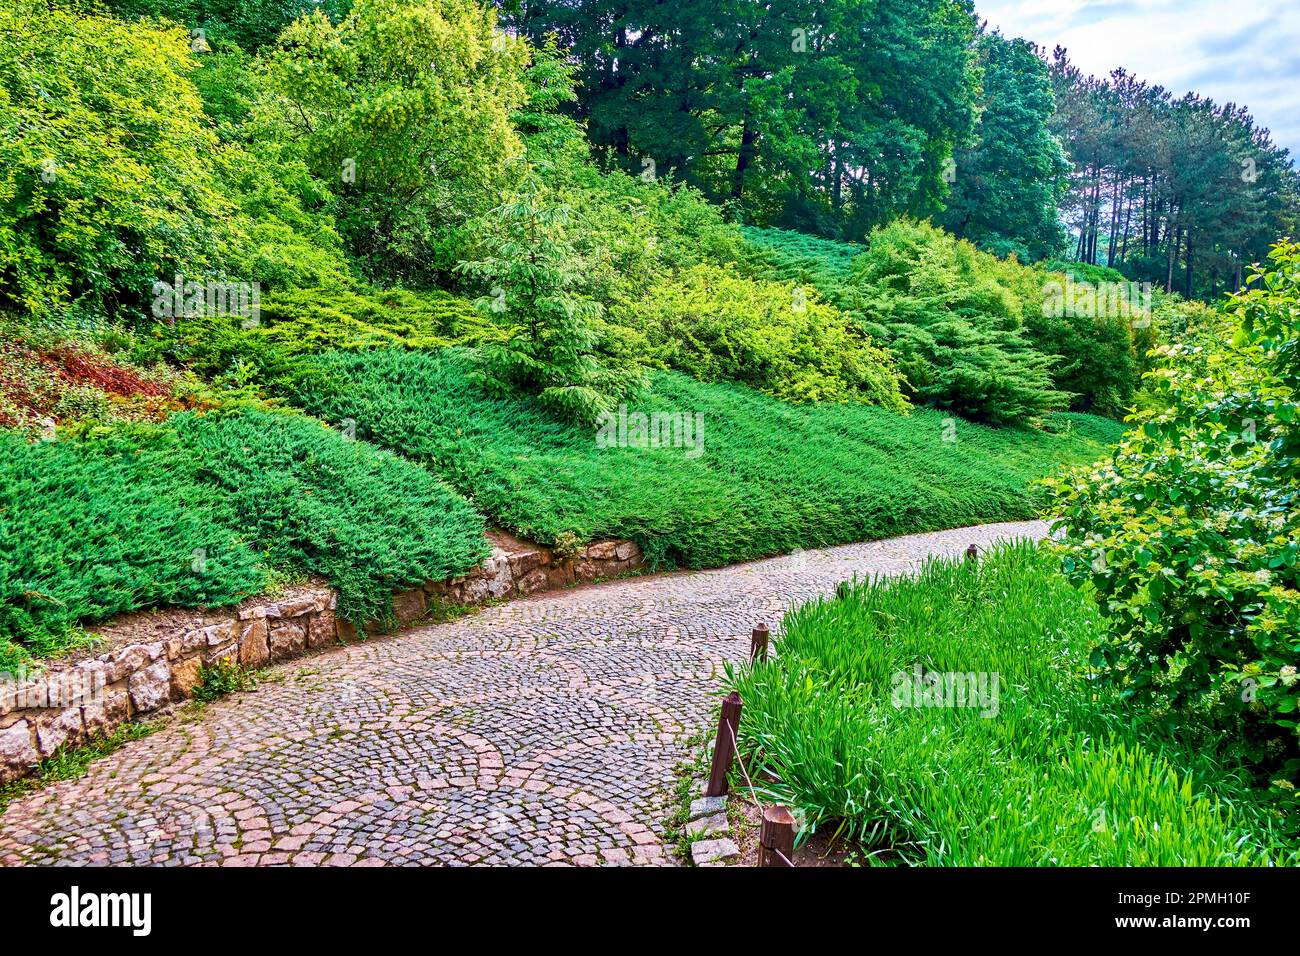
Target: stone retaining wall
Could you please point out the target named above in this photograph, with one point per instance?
(68, 703)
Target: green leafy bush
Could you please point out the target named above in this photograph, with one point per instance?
(969, 331)
(1040, 771)
(768, 477)
(404, 107)
(775, 337)
(1190, 533)
(106, 180)
(954, 317)
(548, 346)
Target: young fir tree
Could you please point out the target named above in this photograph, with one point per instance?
(532, 271)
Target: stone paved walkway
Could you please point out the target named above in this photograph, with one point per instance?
(541, 731)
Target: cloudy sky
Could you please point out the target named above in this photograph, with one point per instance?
(1240, 51)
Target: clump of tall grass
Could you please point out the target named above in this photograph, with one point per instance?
(1040, 769)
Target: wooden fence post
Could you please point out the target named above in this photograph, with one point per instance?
(776, 837)
(724, 748)
(972, 553)
(758, 644)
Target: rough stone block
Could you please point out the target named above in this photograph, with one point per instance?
(254, 651)
(57, 729)
(535, 580)
(101, 717)
(17, 748)
(185, 677)
(603, 550)
(714, 852)
(151, 687)
(525, 561)
(710, 825)
(500, 581)
(320, 630)
(627, 551)
(408, 606)
(127, 661)
(706, 806)
(298, 606)
(214, 635)
(287, 638)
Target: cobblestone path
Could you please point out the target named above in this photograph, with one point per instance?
(541, 731)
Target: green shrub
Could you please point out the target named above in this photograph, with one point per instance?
(313, 501)
(798, 257)
(90, 529)
(106, 178)
(768, 477)
(1190, 533)
(195, 513)
(527, 264)
(1042, 772)
(969, 331)
(954, 316)
(775, 337)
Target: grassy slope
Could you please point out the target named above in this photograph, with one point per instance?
(772, 476)
(198, 512)
(1057, 774)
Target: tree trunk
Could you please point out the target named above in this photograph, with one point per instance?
(1173, 253)
(744, 156)
(1114, 220)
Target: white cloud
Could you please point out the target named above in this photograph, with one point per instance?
(1245, 52)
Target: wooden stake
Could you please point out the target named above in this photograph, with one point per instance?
(776, 837)
(758, 644)
(724, 748)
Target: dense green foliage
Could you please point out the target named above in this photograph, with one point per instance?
(405, 110)
(826, 116)
(1006, 185)
(799, 257)
(1042, 772)
(954, 317)
(775, 337)
(1179, 191)
(219, 24)
(989, 338)
(768, 477)
(1190, 533)
(197, 513)
(106, 177)
(307, 321)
